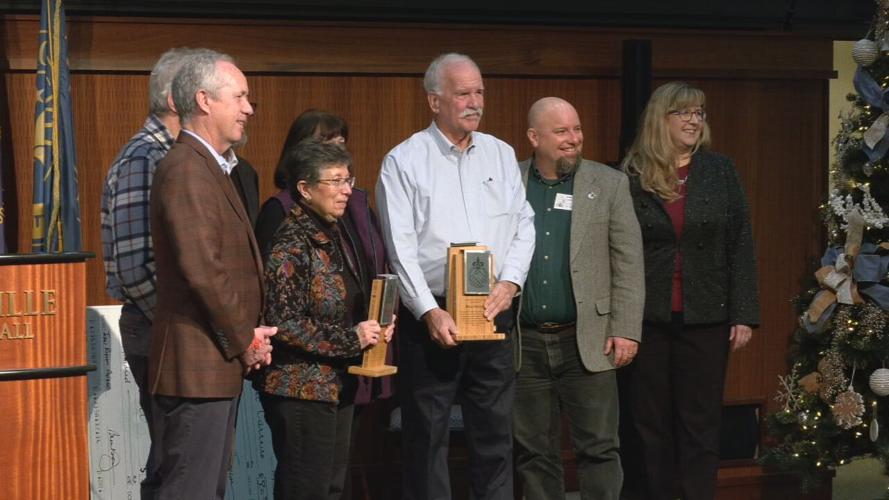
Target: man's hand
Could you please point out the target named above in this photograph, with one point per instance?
(740, 336)
(624, 350)
(441, 327)
(500, 298)
(260, 351)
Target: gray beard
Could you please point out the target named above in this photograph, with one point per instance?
(565, 166)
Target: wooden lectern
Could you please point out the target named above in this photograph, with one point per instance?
(470, 275)
(382, 308)
(43, 368)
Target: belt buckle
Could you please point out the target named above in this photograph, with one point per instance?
(549, 327)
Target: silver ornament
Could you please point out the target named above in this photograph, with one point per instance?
(874, 429)
(868, 169)
(865, 52)
(879, 381)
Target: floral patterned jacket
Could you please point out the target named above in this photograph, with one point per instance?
(305, 292)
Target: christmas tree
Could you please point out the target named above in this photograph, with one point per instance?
(835, 404)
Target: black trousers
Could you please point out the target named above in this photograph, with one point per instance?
(311, 443)
(672, 396)
(195, 439)
(478, 375)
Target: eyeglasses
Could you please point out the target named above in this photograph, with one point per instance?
(339, 183)
(686, 114)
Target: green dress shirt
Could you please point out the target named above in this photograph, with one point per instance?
(548, 295)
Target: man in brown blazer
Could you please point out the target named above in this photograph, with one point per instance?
(205, 335)
(581, 314)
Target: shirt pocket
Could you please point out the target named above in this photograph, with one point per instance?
(496, 198)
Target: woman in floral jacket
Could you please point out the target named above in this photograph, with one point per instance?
(314, 297)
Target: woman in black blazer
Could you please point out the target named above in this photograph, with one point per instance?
(701, 298)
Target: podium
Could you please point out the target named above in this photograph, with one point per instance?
(43, 368)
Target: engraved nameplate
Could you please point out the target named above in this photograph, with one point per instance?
(477, 272)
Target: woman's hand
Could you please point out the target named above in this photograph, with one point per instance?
(389, 330)
(368, 333)
(740, 336)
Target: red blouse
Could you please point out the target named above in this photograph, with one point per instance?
(676, 211)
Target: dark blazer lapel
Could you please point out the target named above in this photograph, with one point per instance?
(587, 194)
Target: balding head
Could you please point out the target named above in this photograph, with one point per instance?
(555, 132)
(545, 106)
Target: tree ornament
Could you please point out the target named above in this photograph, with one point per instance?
(868, 169)
(848, 409)
(789, 392)
(865, 52)
(879, 382)
(811, 382)
(874, 425)
(832, 378)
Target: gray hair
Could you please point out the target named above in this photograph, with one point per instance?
(432, 79)
(198, 72)
(307, 160)
(161, 79)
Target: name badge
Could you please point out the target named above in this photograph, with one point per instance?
(563, 202)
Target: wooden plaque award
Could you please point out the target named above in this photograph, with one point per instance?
(471, 273)
(383, 293)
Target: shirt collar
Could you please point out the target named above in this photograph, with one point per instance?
(445, 144)
(159, 132)
(549, 182)
(227, 162)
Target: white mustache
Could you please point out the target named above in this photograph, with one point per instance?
(471, 112)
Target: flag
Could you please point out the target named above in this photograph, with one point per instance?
(3, 248)
(56, 206)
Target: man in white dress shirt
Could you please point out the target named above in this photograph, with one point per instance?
(445, 184)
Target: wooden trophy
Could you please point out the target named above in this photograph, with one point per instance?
(382, 308)
(471, 273)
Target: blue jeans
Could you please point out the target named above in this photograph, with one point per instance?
(552, 379)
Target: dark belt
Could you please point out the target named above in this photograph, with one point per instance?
(549, 327)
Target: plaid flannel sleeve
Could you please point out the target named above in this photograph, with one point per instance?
(130, 245)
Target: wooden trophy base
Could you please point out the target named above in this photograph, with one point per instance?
(468, 311)
(373, 371)
(480, 336)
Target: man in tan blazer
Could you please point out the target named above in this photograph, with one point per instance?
(205, 335)
(581, 314)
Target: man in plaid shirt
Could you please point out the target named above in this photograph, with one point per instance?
(126, 240)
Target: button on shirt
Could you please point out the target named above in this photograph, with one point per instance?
(548, 296)
(430, 194)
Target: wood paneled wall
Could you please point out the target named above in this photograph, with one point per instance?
(767, 97)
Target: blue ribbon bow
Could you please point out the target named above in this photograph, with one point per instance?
(877, 97)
